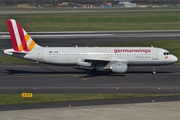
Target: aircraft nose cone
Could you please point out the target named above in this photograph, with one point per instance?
(175, 59)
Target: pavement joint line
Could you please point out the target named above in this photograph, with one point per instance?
(76, 76)
(90, 88)
(152, 74)
(84, 78)
(31, 76)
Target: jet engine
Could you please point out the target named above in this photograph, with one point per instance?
(118, 67)
(86, 64)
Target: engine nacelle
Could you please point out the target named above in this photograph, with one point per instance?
(85, 64)
(119, 67)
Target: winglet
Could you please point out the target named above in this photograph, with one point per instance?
(19, 37)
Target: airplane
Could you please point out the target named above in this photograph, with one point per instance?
(115, 59)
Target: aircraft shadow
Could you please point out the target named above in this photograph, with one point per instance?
(12, 72)
(128, 72)
(83, 73)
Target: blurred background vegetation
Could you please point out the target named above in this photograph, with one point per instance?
(97, 2)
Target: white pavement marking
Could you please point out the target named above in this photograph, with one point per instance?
(71, 35)
(140, 111)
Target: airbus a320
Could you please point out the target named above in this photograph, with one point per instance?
(115, 59)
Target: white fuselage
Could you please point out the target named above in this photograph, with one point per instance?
(72, 55)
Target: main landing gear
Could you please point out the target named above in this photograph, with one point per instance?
(94, 71)
(153, 70)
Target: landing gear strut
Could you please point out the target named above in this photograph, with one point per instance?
(94, 71)
(153, 70)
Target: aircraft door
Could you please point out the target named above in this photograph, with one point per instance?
(155, 54)
(40, 54)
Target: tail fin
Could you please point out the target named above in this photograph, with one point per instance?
(19, 37)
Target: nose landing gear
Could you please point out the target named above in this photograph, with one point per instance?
(153, 70)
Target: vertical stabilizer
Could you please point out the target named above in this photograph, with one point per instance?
(19, 37)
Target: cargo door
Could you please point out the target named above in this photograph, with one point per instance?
(40, 55)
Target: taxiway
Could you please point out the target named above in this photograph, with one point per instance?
(38, 78)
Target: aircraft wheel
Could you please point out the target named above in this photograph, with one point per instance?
(154, 72)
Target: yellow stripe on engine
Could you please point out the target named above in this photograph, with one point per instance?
(31, 46)
(27, 37)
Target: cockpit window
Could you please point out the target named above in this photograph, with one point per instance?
(166, 53)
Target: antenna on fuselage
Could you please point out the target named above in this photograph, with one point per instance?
(76, 45)
(152, 46)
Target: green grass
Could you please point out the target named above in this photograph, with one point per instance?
(170, 7)
(11, 59)
(59, 8)
(107, 21)
(172, 45)
(39, 98)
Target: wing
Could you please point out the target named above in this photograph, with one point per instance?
(94, 62)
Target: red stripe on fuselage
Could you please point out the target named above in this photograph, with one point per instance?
(12, 35)
(22, 37)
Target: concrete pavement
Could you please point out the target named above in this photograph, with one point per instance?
(137, 111)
